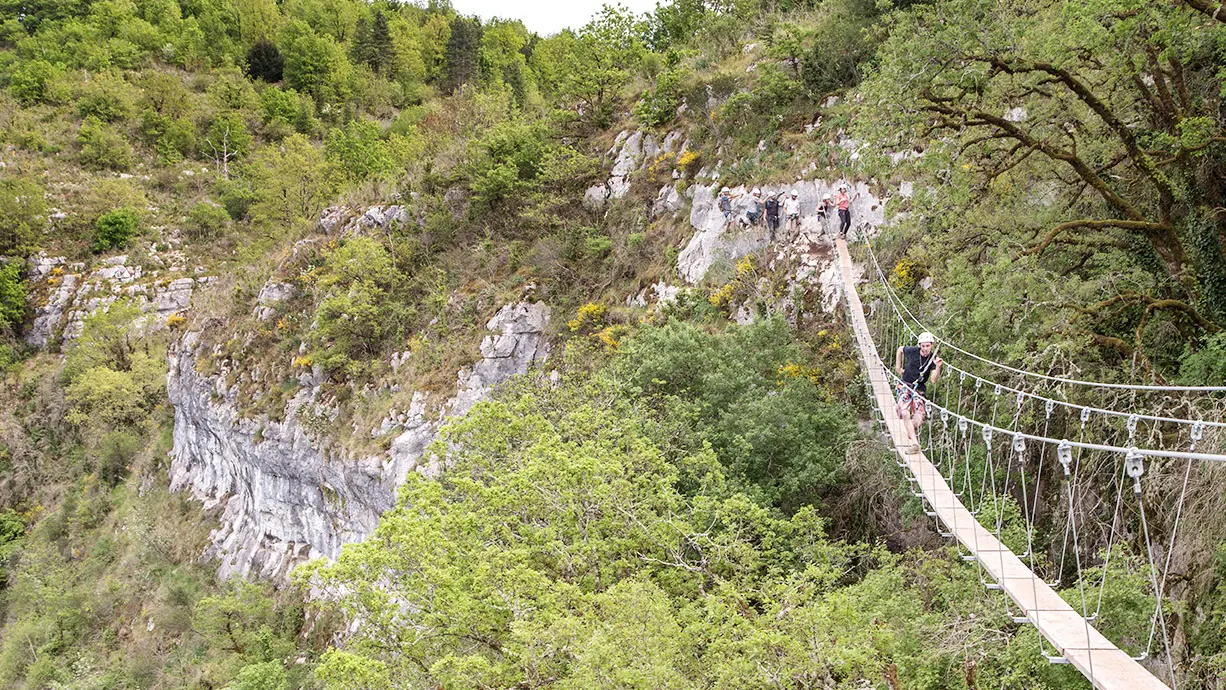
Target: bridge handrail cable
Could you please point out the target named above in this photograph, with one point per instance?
(1033, 374)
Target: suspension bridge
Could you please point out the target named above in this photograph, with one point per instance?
(973, 461)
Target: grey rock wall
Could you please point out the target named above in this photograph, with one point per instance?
(283, 495)
(64, 294)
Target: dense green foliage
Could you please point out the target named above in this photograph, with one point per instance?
(691, 503)
(586, 532)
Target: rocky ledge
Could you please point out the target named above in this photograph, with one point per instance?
(281, 495)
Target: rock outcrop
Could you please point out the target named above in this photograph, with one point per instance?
(64, 294)
(283, 495)
(716, 240)
(630, 151)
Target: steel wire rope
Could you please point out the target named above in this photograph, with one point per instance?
(1135, 468)
(1147, 452)
(1020, 448)
(895, 300)
(1116, 518)
(1072, 405)
(1068, 520)
(1195, 436)
(1023, 372)
(1000, 512)
(1065, 455)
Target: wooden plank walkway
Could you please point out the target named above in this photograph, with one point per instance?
(1106, 666)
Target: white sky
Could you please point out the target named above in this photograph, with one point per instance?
(546, 16)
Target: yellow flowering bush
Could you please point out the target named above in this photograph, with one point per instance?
(175, 320)
(906, 274)
(589, 317)
(689, 162)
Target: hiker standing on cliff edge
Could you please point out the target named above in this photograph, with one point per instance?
(772, 214)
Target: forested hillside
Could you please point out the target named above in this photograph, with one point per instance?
(369, 345)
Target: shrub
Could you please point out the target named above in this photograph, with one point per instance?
(264, 61)
(115, 454)
(236, 196)
(31, 81)
(276, 104)
(660, 104)
(102, 148)
(269, 675)
(173, 138)
(206, 220)
(107, 97)
(358, 150)
(1206, 366)
(22, 212)
(358, 311)
(12, 296)
(115, 229)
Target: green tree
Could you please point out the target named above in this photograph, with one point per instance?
(106, 341)
(1102, 102)
(227, 140)
(31, 81)
(339, 670)
(315, 64)
(22, 213)
(264, 61)
(268, 675)
(462, 57)
(102, 148)
(358, 149)
(356, 309)
(292, 182)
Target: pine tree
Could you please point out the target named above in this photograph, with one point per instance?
(382, 52)
(462, 53)
(363, 49)
(264, 61)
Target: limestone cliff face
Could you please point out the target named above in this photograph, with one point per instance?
(64, 294)
(281, 495)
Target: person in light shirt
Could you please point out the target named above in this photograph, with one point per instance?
(791, 211)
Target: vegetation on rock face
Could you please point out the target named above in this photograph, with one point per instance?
(691, 503)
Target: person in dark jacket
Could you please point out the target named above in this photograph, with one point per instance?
(917, 366)
(772, 214)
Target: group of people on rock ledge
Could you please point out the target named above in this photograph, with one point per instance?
(756, 209)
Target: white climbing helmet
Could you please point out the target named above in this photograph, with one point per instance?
(725, 189)
(757, 192)
(843, 186)
(794, 192)
(927, 337)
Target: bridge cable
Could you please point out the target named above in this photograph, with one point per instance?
(1076, 382)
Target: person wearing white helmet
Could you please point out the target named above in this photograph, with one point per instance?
(823, 211)
(791, 209)
(843, 201)
(753, 212)
(724, 200)
(772, 214)
(917, 366)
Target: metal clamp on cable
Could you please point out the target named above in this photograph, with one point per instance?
(1064, 452)
(1134, 466)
